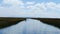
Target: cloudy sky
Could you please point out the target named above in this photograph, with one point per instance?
(30, 8)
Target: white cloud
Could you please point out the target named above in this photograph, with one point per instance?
(17, 8)
(16, 2)
(30, 3)
(12, 3)
(45, 10)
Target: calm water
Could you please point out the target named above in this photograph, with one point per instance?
(30, 27)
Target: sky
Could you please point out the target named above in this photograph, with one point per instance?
(30, 8)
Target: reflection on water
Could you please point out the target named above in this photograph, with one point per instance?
(30, 27)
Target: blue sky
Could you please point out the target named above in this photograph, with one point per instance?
(57, 1)
(30, 8)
